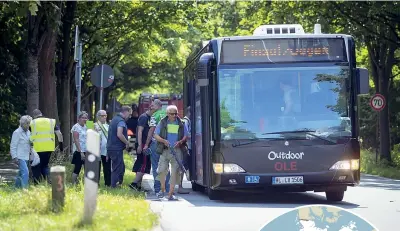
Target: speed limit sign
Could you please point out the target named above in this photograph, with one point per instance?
(377, 102)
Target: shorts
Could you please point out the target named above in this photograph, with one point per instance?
(142, 164)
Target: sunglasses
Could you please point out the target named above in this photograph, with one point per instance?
(173, 114)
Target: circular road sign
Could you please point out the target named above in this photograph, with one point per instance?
(108, 76)
(377, 102)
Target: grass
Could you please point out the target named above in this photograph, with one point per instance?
(117, 209)
(368, 165)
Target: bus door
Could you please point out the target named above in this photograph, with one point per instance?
(198, 136)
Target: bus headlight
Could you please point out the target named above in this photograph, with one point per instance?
(220, 168)
(346, 165)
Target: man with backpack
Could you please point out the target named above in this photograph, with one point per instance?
(171, 133)
(158, 114)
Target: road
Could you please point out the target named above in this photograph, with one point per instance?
(376, 199)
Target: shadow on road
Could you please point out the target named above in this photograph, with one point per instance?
(265, 200)
(379, 182)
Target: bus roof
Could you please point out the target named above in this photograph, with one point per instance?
(281, 36)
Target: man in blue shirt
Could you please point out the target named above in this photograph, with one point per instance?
(170, 131)
(117, 141)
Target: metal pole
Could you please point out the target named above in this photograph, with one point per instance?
(101, 87)
(78, 84)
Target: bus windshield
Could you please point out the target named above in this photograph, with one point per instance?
(264, 102)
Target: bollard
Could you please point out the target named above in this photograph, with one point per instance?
(91, 175)
(57, 175)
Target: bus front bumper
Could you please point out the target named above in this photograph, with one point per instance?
(299, 182)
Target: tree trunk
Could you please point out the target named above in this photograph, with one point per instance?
(48, 80)
(32, 82)
(384, 123)
(67, 68)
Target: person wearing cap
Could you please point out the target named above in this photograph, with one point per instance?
(43, 132)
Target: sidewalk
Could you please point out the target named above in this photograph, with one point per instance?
(157, 206)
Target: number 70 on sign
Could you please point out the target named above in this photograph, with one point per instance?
(377, 102)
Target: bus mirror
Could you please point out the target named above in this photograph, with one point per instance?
(203, 69)
(363, 81)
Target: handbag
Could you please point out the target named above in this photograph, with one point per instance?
(34, 157)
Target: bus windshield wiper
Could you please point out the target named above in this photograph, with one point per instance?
(238, 143)
(307, 131)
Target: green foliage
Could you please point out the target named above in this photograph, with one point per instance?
(117, 209)
(12, 78)
(369, 165)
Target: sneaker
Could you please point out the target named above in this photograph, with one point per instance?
(172, 198)
(160, 194)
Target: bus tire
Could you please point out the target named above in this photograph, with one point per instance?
(334, 195)
(214, 194)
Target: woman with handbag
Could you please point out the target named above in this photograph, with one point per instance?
(101, 127)
(20, 149)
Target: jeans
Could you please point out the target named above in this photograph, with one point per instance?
(155, 158)
(22, 178)
(117, 167)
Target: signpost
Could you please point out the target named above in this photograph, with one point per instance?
(78, 70)
(102, 76)
(377, 103)
(57, 175)
(92, 175)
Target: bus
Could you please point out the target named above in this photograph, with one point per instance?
(276, 110)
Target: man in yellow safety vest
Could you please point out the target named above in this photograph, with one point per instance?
(43, 131)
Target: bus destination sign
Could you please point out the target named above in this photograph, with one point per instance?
(283, 50)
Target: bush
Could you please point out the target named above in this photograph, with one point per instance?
(382, 168)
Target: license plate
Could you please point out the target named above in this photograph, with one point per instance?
(252, 179)
(288, 180)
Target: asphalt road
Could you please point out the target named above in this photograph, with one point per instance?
(376, 199)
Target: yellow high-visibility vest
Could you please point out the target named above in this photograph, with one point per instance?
(42, 134)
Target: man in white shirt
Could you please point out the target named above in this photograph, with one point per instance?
(20, 149)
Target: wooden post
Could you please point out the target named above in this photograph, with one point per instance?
(57, 175)
(91, 175)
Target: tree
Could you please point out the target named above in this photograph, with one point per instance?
(379, 32)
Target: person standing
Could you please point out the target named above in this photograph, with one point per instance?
(132, 127)
(20, 149)
(187, 155)
(142, 164)
(154, 156)
(117, 141)
(101, 127)
(79, 134)
(43, 131)
(170, 132)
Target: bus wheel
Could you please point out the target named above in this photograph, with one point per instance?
(334, 195)
(214, 194)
